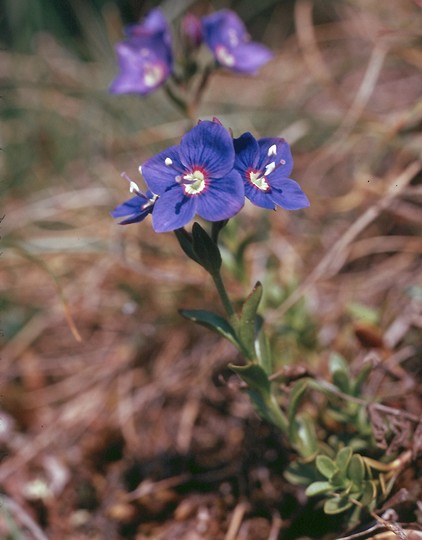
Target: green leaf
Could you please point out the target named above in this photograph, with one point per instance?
(340, 372)
(343, 458)
(247, 320)
(295, 396)
(318, 488)
(185, 241)
(263, 349)
(205, 249)
(356, 471)
(255, 377)
(303, 435)
(369, 493)
(326, 466)
(300, 473)
(213, 322)
(336, 505)
(340, 481)
(361, 378)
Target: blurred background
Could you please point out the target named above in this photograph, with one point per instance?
(103, 387)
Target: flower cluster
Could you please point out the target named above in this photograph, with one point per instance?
(145, 57)
(210, 174)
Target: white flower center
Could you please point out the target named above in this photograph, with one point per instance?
(194, 182)
(258, 180)
(153, 74)
(223, 56)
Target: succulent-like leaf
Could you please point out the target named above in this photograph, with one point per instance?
(318, 488)
(356, 471)
(326, 466)
(343, 457)
(340, 372)
(336, 505)
(368, 493)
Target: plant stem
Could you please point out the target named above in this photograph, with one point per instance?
(219, 284)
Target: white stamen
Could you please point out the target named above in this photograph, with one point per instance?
(272, 150)
(282, 162)
(133, 187)
(140, 169)
(269, 168)
(168, 161)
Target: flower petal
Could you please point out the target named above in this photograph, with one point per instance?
(223, 198)
(247, 153)
(258, 197)
(282, 154)
(173, 210)
(249, 57)
(224, 27)
(289, 195)
(133, 209)
(209, 146)
(161, 170)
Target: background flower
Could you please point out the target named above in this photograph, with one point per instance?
(145, 58)
(226, 36)
(265, 166)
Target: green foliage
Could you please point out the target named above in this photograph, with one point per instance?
(333, 461)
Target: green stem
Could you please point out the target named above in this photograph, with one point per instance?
(219, 284)
(278, 418)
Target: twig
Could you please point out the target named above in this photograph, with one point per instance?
(334, 259)
(236, 520)
(23, 517)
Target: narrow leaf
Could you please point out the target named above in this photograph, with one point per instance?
(205, 249)
(247, 322)
(302, 432)
(263, 349)
(185, 241)
(255, 377)
(213, 322)
(295, 396)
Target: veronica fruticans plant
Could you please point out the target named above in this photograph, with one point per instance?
(210, 175)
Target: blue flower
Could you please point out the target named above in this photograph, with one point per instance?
(265, 166)
(195, 177)
(145, 58)
(137, 208)
(226, 36)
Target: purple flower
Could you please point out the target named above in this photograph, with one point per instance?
(265, 166)
(226, 36)
(145, 57)
(137, 208)
(195, 177)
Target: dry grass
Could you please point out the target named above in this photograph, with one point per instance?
(118, 419)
